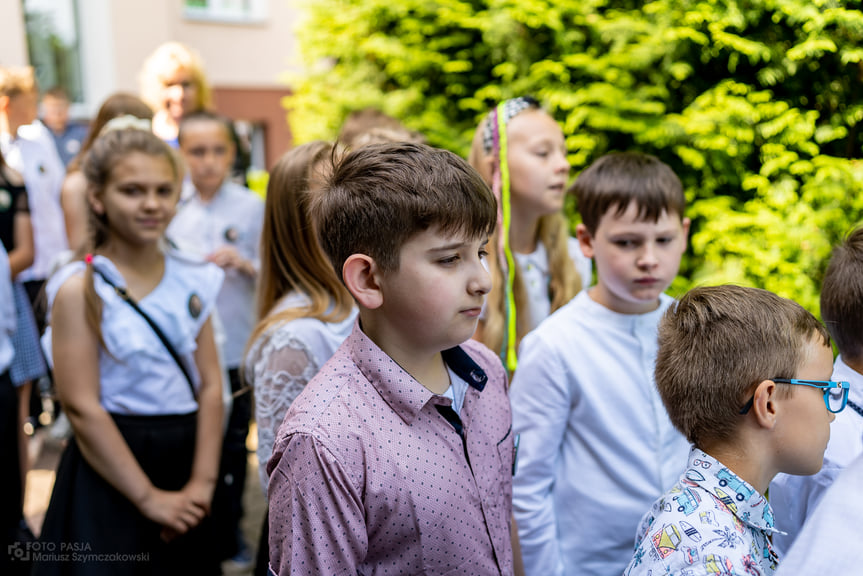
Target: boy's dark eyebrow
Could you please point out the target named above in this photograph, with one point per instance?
(454, 246)
(446, 247)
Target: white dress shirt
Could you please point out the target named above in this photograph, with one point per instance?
(597, 447)
(43, 173)
(829, 543)
(233, 217)
(794, 497)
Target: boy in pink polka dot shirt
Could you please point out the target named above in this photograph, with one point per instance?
(397, 458)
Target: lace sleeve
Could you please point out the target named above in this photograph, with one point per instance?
(282, 368)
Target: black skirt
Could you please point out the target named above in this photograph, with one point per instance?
(10, 479)
(90, 528)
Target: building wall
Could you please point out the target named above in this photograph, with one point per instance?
(243, 60)
(13, 43)
(253, 54)
(262, 107)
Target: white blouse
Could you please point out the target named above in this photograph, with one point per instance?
(536, 274)
(282, 361)
(137, 374)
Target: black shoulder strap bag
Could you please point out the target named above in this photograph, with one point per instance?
(121, 292)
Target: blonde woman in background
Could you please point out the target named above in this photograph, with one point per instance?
(173, 83)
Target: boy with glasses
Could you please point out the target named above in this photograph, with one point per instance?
(794, 497)
(744, 375)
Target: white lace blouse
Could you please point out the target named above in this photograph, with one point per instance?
(282, 361)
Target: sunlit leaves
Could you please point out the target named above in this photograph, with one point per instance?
(757, 105)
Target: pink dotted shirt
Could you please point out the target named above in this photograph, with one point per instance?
(369, 477)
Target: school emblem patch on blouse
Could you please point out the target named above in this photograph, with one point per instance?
(195, 305)
(5, 199)
(231, 235)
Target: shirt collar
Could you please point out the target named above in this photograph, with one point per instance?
(629, 323)
(729, 490)
(189, 194)
(405, 395)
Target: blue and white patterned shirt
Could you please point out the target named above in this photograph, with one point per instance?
(711, 522)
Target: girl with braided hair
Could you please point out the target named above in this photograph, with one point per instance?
(536, 266)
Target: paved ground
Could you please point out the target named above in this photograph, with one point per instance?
(45, 453)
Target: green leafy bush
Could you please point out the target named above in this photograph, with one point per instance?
(757, 105)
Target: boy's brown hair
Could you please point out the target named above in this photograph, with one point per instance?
(842, 296)
(380, 196)
(716, 344)
(619, 178)
(373, 126)
(56, 92)
(205, 117)
(15, 81)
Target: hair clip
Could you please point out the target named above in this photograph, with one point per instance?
(126, 122)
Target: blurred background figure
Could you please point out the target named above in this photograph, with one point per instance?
(68, 135)
(372, 126)
(73, 196)
(173, 84)
(221, 222)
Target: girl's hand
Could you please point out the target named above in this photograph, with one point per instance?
(176, 511)
(201, 493)
(227, 257)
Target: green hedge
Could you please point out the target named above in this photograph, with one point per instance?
(756, 105)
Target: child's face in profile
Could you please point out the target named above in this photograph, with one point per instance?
(804, 428)
(636, 260)
(433, 301)
(538, 166)
(209, 154)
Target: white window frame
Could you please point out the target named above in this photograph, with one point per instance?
(220, 11)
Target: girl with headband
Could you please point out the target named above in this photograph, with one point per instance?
(536, 266)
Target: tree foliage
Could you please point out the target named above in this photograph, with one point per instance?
(756, 104)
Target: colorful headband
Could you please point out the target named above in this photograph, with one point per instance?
(511, 108)
(495, 141)
(126, 122)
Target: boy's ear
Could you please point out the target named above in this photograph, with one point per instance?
(585, 240)
(764, 404)
(361, 278)
(4, 103)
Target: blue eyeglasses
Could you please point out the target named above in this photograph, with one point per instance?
(835, 393)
